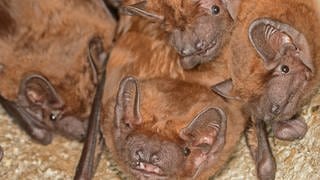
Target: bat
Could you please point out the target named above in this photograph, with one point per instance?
(161, 129)
(273, 68)
(35, 71)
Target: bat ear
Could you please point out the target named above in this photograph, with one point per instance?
(206, 131)
(127, 110)
(37, 90)
(138, 9)
(272, 39)
(232, 7)
(224, 89)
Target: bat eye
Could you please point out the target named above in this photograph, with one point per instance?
(54, 115)
(186, 151)
(215, 9)
(284, 69)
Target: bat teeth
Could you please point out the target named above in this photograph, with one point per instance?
(275, 109)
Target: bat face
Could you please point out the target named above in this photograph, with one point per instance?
(165, 143)
(201, 38)
(285, 87)
(40, 110)
(150, 156)
(197, 29)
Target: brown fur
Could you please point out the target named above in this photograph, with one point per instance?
(51, 39)
(167, 106)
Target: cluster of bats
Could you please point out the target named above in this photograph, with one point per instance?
(169, 86)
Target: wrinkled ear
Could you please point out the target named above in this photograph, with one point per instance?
(138, 9)
(37, 90)
(127, 104)
(272, 38)
(206, 131)
(224, 89)
(35, 128)
(232, 7)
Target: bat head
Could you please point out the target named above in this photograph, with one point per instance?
(164, 143)
(285, 52)
(42, 110)
(197, 29)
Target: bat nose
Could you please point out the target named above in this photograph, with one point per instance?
(187, 51)
(139, 155)
(200, 45)
(196, 48)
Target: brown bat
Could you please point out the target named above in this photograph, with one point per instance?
(44, 56)
(148, 45)
(274, 68)
(170, 129)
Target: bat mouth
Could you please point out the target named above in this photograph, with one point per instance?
(206, 51)
(148, 170)
(205, 55)
(285, 111)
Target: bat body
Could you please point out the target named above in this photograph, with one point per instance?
(46, 81)
(274, 68)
